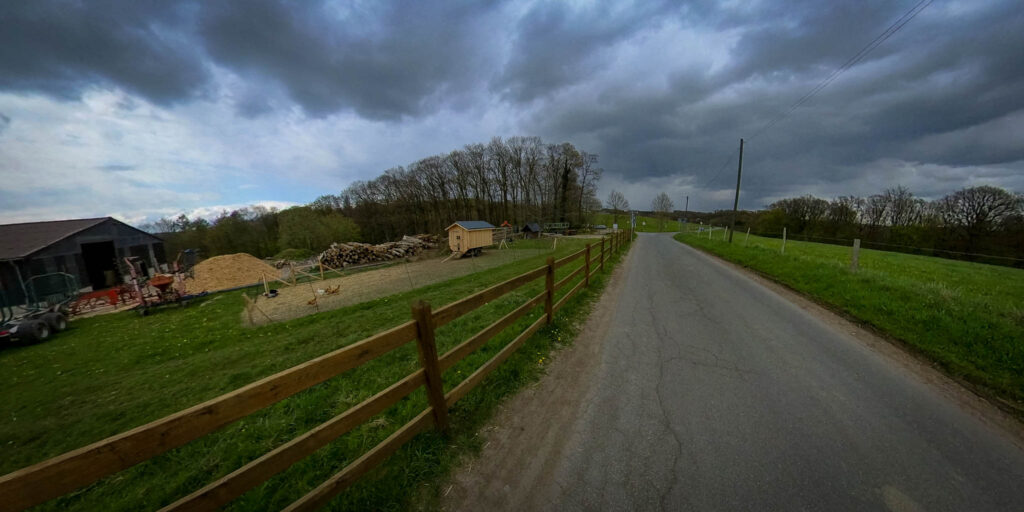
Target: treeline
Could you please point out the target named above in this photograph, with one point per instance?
(262, 232)
(519, 179)
(975, 220)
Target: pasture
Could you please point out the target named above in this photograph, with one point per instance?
(110, 373)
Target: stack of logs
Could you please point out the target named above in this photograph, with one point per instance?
(340, 255)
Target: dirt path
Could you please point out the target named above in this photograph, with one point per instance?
(540, 417)
(294, 301)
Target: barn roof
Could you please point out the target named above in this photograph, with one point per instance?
(532, 227)
(20, 240)
(472, 225)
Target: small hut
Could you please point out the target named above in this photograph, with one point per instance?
(531, 230)
(469, 236)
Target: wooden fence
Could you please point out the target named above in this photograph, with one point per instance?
(75, 469)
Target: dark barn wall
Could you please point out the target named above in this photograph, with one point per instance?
(66, 255)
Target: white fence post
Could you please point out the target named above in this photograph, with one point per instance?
(855, 261)
(747, 237)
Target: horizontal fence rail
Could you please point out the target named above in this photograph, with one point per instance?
(65, 473)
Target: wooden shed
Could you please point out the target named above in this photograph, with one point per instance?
(467, 236)
(531, 230)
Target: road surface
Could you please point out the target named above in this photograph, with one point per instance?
(698, 388)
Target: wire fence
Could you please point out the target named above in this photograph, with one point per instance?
(1007, 261)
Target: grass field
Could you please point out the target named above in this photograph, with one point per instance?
(643, 224)
(111, 373)
(968, 317)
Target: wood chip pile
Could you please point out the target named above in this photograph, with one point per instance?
(340, 255)
(228, 271)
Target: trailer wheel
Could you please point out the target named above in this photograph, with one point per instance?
(33, 331)
(56, 321)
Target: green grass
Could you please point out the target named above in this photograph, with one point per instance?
(111, 373)
(294, 254)
(643, 224)
(968, 317)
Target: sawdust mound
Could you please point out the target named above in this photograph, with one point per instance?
(228, 271)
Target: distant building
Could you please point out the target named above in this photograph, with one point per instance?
(531, 230)
(88, 249)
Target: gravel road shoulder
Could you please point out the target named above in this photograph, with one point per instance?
(537, 420)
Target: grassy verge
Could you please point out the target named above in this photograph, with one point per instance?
(967, 317)
(108, 374)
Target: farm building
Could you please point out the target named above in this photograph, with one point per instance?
(531, 230)
(88, 249)
(469, 235)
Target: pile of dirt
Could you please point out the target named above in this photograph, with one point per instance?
(228, 271)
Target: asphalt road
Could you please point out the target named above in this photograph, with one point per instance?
(713, 392)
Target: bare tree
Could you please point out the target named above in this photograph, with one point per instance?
(618, 203)
(901, 208)
(662, 206)
(589, 173)
(979, 208)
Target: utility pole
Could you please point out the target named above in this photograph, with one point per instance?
(736, 202)
(686, 211)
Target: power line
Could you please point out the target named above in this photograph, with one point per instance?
(852, 61)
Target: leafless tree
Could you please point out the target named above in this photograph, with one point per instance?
(618, 204)
(662, 206)
(979, 208)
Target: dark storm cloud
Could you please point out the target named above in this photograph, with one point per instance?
(384, 62)
(947, 90)
(909, 99)
(555, 46)
(62, 48)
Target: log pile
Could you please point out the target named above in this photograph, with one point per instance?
(340, 255)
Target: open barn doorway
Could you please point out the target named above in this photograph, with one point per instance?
(100, 264)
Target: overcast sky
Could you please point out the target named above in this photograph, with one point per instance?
(141, 109)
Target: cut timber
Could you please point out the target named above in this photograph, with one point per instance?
(341, 255)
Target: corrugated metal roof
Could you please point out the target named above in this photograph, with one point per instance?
(472, 225)
(20, 240)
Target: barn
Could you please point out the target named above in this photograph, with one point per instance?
(88, 249)
(467, 235)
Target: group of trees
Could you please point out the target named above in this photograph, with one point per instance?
(519, 179)
(981, 219)
(262, 232)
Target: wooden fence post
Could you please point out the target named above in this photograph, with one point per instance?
(855, 261)
(428, 358)
(549, 286)
(586, 271)
(783, 240)
(747, 238)
(601, 263)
